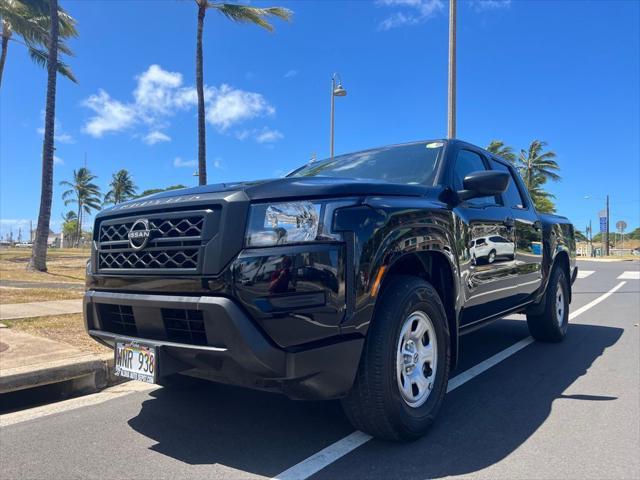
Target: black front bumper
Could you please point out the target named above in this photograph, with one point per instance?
(236, 351)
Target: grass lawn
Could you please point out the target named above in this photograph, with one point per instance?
(26, 295)
(63, 264)
(62, 328)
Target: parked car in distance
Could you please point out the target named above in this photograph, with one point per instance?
(491, 248)
(352, 278)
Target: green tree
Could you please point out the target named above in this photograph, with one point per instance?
(38, 259)
(30, 20)
(537, 167)
(581, 237)
(83, 192)
(122, 188)
(70, 226)
(499, 148)
(236, 13)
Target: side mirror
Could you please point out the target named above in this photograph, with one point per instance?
(485, 183)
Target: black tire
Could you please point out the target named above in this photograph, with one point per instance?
(375, 404)
(547, 323)
(491, 257)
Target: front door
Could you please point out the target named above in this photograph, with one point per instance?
(487, 246)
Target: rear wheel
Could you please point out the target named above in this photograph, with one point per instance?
(404, 369)
(492, 256)
(550, 323)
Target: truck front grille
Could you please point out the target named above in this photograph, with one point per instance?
(174, 245)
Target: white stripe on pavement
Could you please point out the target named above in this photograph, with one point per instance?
(585, 273)
(339, 449)
(630, 275)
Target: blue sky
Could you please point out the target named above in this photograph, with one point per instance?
(567, 72)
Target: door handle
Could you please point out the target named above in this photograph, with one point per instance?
(509, 222)
(537, 225)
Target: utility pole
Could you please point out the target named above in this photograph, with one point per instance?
(591, 240)
(606, 231)
(451, 103)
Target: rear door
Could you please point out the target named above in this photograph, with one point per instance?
(528, 233)
(487, 276)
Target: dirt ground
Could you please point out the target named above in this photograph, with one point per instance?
(64, 265)
(62, 328)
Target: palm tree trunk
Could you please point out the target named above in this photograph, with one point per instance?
(39, 252)
(6, 35)
(79, 229)
(202, 153)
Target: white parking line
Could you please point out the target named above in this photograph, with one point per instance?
(630, 275)
(339, 449)
(74, 403)
(585, 273)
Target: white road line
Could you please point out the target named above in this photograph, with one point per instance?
(630, 275)
(342, 447)
(74, 403)
(585, 273)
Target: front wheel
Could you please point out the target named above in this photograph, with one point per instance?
(404, 369)
(551, 322)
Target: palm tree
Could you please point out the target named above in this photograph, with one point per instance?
(536, 166)
(69, 226)
(499, 148)
(236, 13)
(83, 192)
(39, 251)
(30, 20)
(122, 188)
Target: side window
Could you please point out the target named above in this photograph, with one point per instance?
(466, 163)
(512, 196)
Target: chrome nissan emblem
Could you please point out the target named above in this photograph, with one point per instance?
(139, 234)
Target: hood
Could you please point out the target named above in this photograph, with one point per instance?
(299, 187)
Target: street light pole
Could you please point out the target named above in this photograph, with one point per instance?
(336, 91)
(451, 104)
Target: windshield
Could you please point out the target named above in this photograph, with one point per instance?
(410, 164)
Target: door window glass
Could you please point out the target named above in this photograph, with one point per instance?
(512, 196)
(466, 163)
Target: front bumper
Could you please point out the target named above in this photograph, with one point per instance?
(236, 351)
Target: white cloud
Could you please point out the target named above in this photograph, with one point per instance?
(217, 163)
(267, 135)
(180, 163)
(57, 160)
(160, 94)
(155, 136)
(414, 12)
(291, 73)
(230, 106)
(111, 115)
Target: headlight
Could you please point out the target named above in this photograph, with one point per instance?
(291, 222)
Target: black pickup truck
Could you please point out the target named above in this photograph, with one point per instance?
(350, 278)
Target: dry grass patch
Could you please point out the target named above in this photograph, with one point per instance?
(26, 295)
(62, 328)
(64, 265)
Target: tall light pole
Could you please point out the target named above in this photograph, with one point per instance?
(336, 91)
(451, 103)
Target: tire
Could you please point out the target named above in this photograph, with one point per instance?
(551, 323)
(376, 404)
(491, 257)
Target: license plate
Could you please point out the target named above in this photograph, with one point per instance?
(135, 361)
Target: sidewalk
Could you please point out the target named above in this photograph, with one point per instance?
(27, 361)
(40, 309)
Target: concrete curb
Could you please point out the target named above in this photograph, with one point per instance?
(83, 374)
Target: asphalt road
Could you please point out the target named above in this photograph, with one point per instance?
(568, 410)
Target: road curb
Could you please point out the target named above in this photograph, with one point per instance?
(81, 375)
